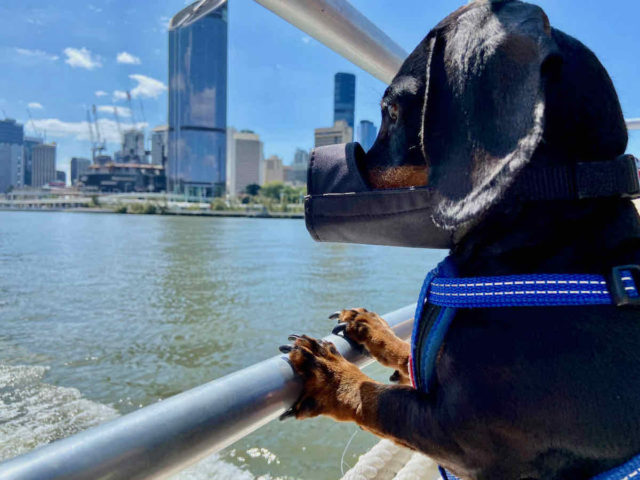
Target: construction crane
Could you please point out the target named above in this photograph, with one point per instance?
(115, 114)
(97, 144)
(133, 115)
(33, 126)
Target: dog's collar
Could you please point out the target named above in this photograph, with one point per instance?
(443, 293)
(581, 180)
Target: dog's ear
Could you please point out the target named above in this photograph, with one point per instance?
(484, 103)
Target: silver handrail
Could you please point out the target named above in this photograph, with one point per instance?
(342, 28)
(166, 437)
(346, 31)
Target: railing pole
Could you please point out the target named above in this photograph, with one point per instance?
(165, 437)
(342, 28)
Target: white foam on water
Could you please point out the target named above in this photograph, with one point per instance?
(34, 413)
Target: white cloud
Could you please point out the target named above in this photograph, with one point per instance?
(35, 105)
(57, 128)
(82, 58)
(119, 95)
(122, 111)
(306, 39)
(126, 57)
(37, 54)
(101, 93)
(147, 87)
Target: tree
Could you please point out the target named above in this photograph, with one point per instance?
(252, 189)
(272, 190)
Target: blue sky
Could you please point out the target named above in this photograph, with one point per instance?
(57, 55)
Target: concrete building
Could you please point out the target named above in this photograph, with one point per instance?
(247, 161)
(273, 171)
(367, 133)
(159, 145)
(196, 163)
(11, 154)
(287, 173)
(300, 166)
(44, 164)
(339, 133)
(124, 178)
(344, 99)
(132, 147)
(78, 167)
(61, 176)
(27, 159)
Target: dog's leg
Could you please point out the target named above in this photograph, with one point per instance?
(372, 332)
(338, 389)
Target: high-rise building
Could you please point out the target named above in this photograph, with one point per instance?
(61, 176)
(78, 167)
(247, 160)
(300, 166)
(367, 133)
(198, 99)
(133, 147)
(27, 159)
(273, 171)
(159, 140)
(339, 133)
(344, 99)
(43, 164)
(11, 154)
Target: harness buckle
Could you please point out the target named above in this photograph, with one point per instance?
(623, 285)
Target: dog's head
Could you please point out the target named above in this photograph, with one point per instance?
(491, 88)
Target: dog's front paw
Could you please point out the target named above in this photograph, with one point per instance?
(372, 332)
(331, 383)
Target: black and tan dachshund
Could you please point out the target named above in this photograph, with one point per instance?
(521, 393)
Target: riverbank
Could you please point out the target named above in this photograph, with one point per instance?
(186, 213)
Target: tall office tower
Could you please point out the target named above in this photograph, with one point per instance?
(367, 133)
(11, 154)
(27, 146)
(273, 171)
(247, 160)
(78, 167)
(43, 164)
(159, 140)
(133, 147)
(61, 176)
(198, 99)
(300, 166)
(344, 99)
(339, 133)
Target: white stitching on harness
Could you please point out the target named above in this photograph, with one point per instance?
(537, 282)
(526, 292)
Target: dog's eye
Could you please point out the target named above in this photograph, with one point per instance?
(392, 111)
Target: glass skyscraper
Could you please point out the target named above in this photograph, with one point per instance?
(367, 133)
(198, 99)
(344, 100)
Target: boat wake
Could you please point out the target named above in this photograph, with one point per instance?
(34, 413)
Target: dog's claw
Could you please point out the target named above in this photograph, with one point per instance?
(335, 315)
(341, 327)
(287, 415)
(285, 348)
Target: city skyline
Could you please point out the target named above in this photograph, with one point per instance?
(78, 54)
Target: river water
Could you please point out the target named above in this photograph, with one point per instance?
(101, 314)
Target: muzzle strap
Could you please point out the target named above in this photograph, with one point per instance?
(611, 178)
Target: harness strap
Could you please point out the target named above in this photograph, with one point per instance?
(442, 294)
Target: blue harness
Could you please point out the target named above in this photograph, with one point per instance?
(442, 293)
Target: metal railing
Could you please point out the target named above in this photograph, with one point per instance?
(166, 437)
